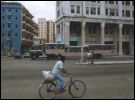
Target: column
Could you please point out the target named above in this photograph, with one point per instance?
(83, 33)
(67, 33)
(131, 42)
(116, 39)
(63, 31)
(120, 40)
(60, 33)
(102, 32)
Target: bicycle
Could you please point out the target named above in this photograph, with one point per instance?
(76, 88)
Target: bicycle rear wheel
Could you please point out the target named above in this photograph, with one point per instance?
(46, 90)
(77, 88)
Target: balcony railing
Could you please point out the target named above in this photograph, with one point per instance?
(9, 13)
(9, 21)
(28, 40)
(9, 29)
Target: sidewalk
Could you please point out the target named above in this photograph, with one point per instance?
(108, 62)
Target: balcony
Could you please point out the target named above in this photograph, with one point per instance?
(9, 13)
(27, 40)
(8, 38)
(109, 37)
(9, 29)
(125, 37)
(9, 21)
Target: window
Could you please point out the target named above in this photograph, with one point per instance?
(116, 2)
(2, 34)
(9, 17)
(58, 3)
(16, 10)
(127, 2)
(106, 1)
(78, 9)
(117, 12)
(122, 2)
(93, 11)
(3, 17)
(123, 13)
(132, 3)
(87, 10)
(9, 34)
(111, 2)
(9, 10)
(16, 18)
(9, 25)
(72, 9)
(127, 13)
(98, 11)
(3, 25)
(3, 10)
(106, 10)
(111, 12)
(16, 25)
(58, 14)
(16, 34)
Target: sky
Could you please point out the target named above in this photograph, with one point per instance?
(40, 9)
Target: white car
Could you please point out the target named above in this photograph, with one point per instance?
(26, 55)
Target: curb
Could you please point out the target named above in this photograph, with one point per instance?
(107, 62)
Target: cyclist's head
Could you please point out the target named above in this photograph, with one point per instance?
(60, 57)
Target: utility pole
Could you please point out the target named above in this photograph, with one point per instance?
(82, 35)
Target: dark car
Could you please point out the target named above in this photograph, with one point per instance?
(35, 54)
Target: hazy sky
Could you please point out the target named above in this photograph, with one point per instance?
(40, 9)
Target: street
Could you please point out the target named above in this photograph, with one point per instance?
(20, 79)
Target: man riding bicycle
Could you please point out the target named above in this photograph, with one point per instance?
(57, 71)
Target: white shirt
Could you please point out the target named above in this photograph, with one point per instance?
(57, 67)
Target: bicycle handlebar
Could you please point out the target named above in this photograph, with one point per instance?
(69, 76)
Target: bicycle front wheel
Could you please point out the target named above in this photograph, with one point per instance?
(77, 89)
(46, 90)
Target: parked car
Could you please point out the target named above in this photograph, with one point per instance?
(26, 55)
(17, 56)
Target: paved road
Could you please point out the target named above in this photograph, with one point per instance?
(20, 79)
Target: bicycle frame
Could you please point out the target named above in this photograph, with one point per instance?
(68, 82)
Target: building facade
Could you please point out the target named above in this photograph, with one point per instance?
(46, 31)
(36, 40)
(17, 28)
(104, 22)
(50, 31)
(42, 30)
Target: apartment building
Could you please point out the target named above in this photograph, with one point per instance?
(46, 31)
(50, 31)
(104, 22)
(17, 28)
(42, 30)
